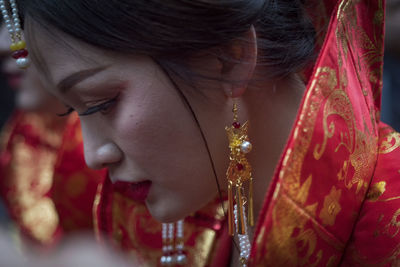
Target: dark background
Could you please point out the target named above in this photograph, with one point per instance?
(6, 107)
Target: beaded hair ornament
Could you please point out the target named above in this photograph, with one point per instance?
(12, 22)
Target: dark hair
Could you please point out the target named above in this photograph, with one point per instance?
(170, 30)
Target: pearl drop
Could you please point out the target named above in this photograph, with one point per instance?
(181, 259)
(168, 260)
(23, 62)
(246, 147)
(163, 260)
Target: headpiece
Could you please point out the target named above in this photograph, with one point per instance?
(12, 22)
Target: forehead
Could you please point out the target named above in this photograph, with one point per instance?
(57, 54)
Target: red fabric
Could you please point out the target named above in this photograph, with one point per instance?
(312, 211)
(131, 228)
(376, 241)
(223, 248)
(29, 150)
(44, 182)
(74, 184)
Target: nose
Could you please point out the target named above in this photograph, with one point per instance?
(98, 157)
(100, 150)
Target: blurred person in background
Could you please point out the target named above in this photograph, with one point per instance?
(44, 183)
(30, 94)
(391, 68)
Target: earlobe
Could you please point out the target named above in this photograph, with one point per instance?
(239, 64)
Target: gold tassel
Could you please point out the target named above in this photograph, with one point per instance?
(240, 214)
(238, 173)
(250, 216)
(230, 211)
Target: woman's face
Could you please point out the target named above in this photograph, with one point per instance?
(145, 132)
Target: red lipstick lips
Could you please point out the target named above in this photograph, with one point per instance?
(135, 191)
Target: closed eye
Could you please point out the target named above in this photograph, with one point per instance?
(103, 107)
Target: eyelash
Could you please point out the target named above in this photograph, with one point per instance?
(103, 108)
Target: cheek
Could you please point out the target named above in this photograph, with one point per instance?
(159, 131)
(159, 135)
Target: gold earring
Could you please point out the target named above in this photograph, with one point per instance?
(238, 173)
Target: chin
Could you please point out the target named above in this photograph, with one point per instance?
(166, 213)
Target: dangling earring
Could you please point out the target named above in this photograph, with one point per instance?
(168, 242)
(179, 244)
(173, 244)
(238, 173)
(14, 29)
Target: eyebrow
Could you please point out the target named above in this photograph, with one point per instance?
(70, 81)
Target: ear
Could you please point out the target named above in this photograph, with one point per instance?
(239, 63)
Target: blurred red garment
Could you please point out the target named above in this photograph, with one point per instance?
(44, 181)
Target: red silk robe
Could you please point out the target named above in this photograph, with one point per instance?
(44, 182)
(335, 197)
